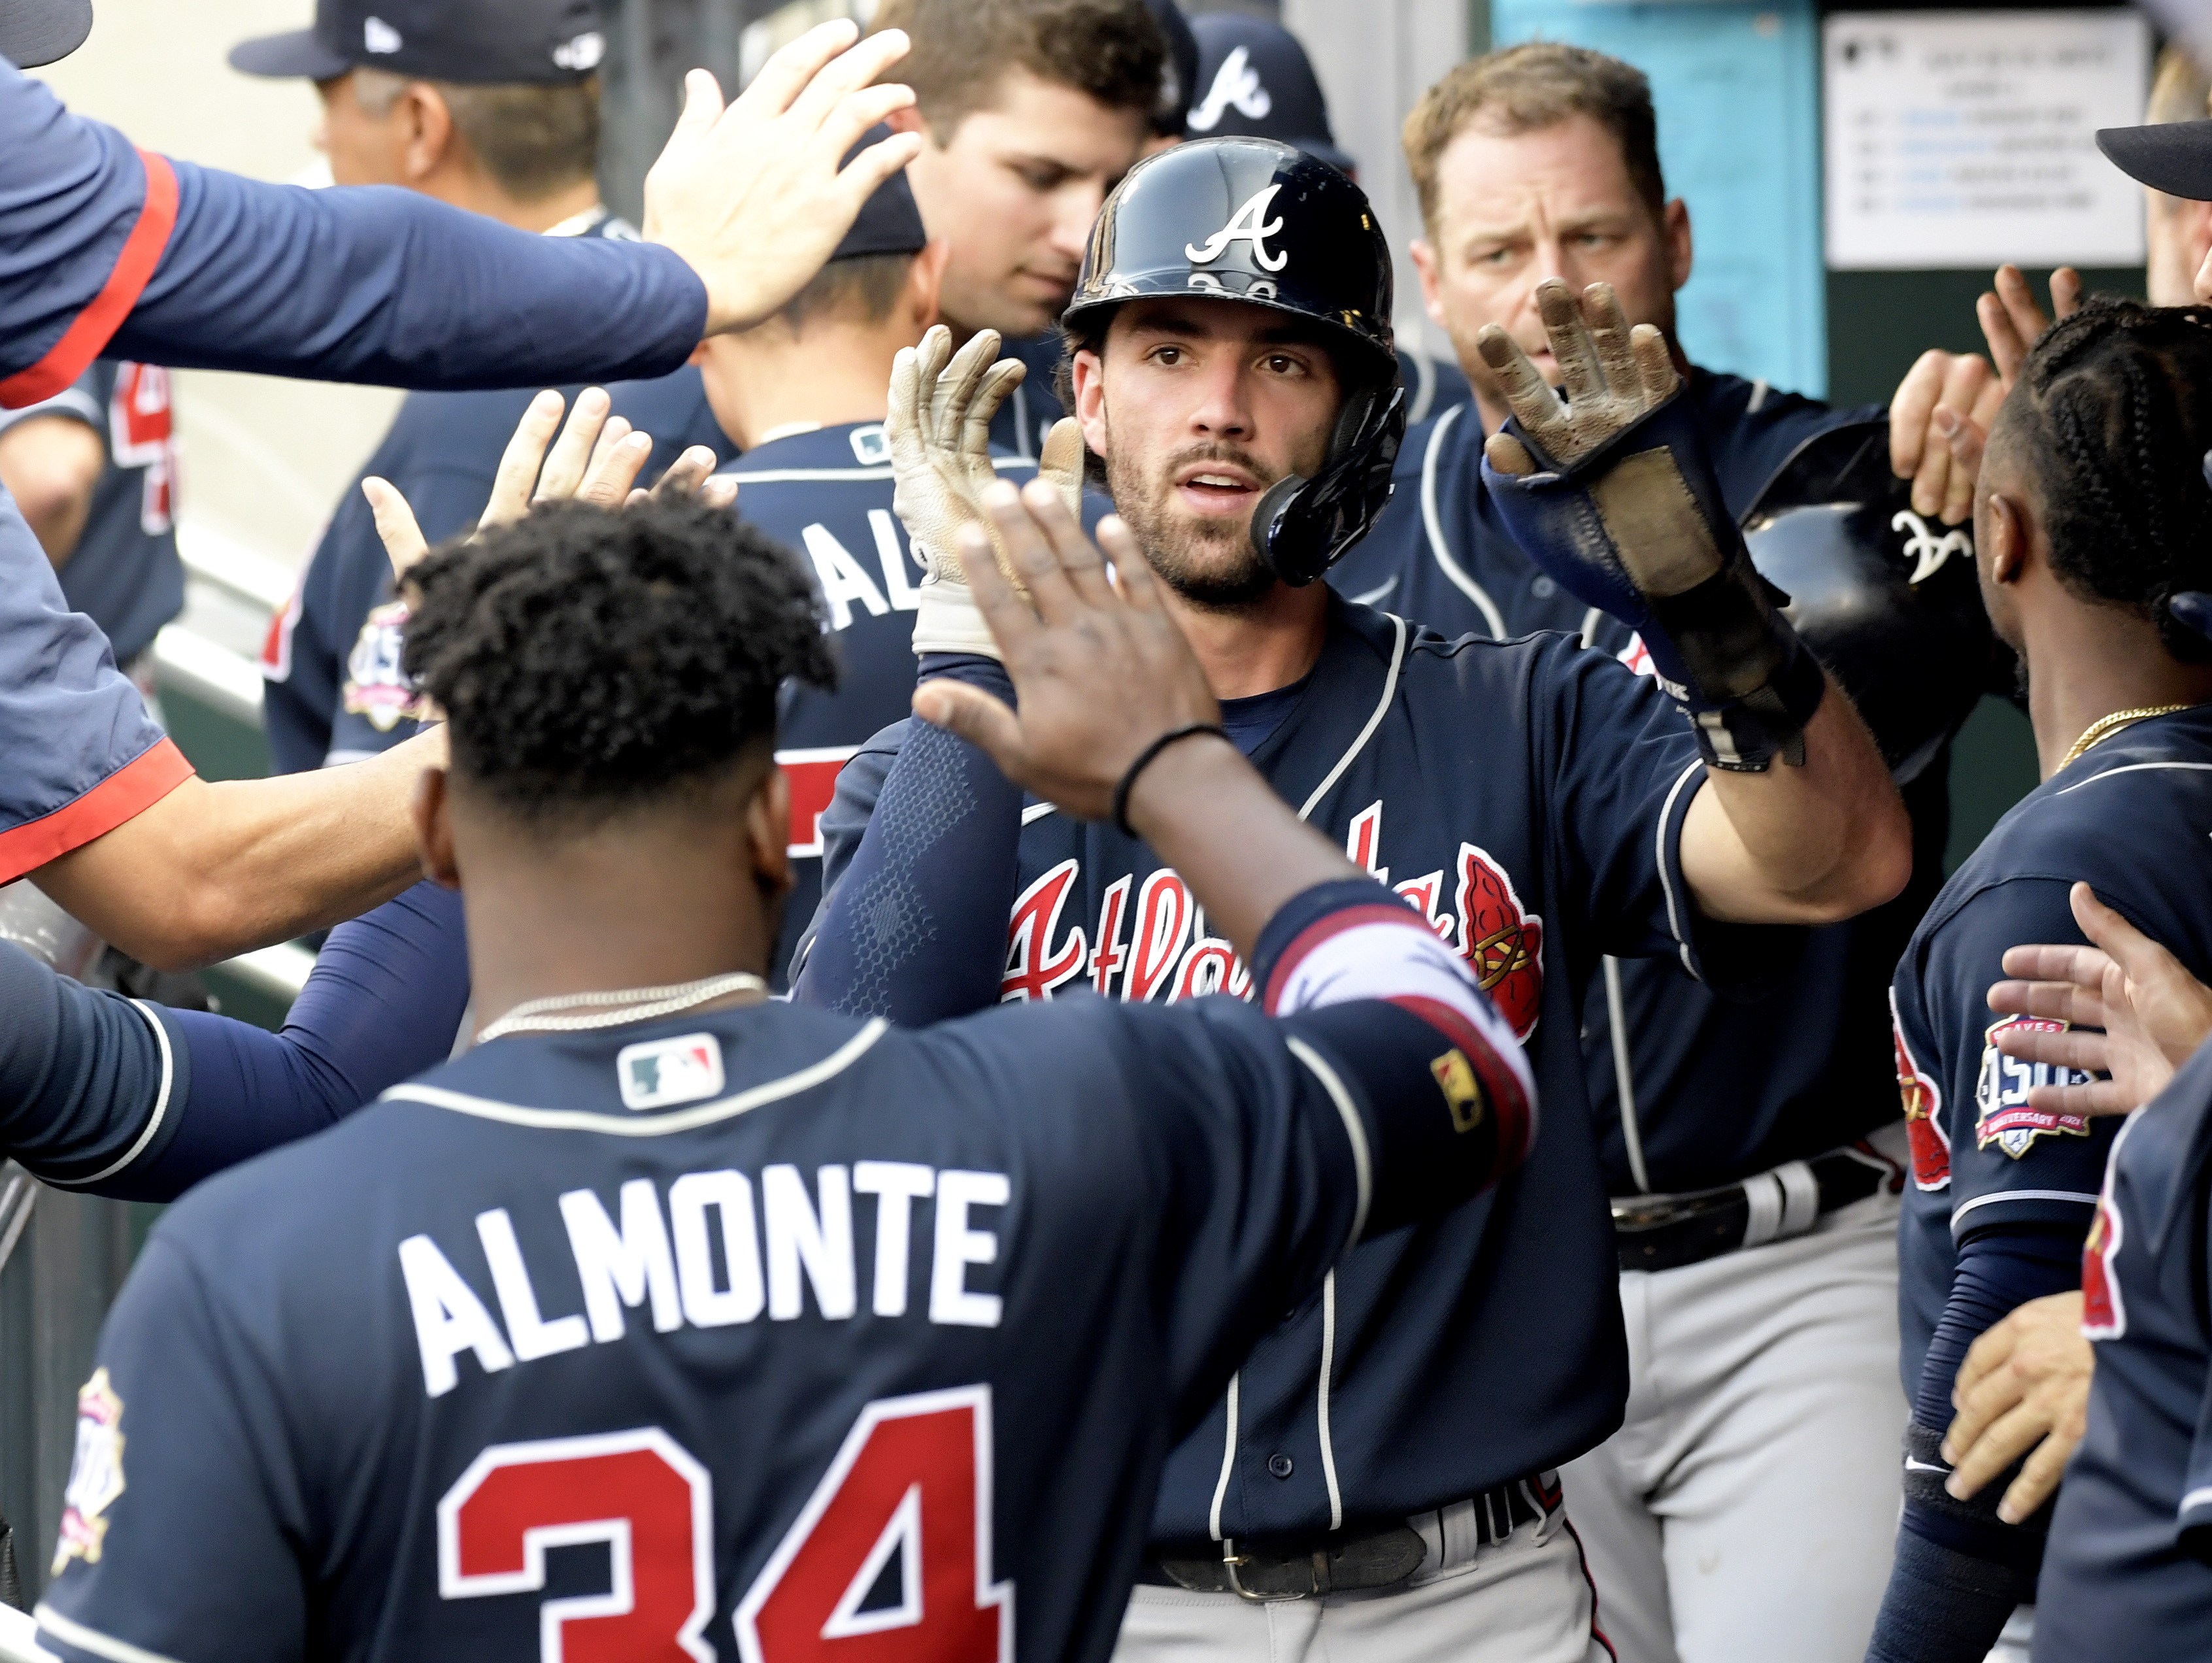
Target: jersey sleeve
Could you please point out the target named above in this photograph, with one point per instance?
(82, 755)
(80, 401)
(107, 248)
(1627, 771)
(183, 1512)
(2009, 1163)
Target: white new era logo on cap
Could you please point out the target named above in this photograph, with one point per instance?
(659, 1072)
(379, 36)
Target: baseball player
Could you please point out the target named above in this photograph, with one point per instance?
(2088, 500)
(1254, 79)
(1030, 111)
(721, 1409)
(1384, 1462)
(491, 105)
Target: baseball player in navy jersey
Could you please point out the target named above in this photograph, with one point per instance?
(581, 1342)
(1383, 1466)
(492, 105)
(2088, 515)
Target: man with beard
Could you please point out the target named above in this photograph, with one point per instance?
(1384, 1465)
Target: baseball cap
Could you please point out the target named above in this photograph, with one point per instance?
(473, 42)
(1180, 74)
(2173, 156)
(889, 223)
(35, 32)
(1255, 81)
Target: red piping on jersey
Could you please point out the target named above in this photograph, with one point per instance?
(91, 329)
(128, 792)
(1321, 928)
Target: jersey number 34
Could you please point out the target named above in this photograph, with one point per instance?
(911, 1483)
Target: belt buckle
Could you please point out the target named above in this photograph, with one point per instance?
(1230, 1559)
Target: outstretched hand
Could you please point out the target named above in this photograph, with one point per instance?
(2152, 1012)
(1613, 377)
(596, 459)
(1099, 668)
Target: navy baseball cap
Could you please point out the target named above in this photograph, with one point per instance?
(1180, 74)
(1255, 81)
(35, 32)
(484, 43)
(889, 223)
(2173, 156)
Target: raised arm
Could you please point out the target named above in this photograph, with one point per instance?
(1611, 492)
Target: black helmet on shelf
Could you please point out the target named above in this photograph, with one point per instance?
(1251, 220)
(1886, 598)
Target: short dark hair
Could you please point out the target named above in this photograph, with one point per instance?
(586, 660)
(1539, 84)
(2115, 406)
(532, 140)
(862, 289)
(1111, 50)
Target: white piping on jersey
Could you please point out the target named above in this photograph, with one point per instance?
(1022, 422)
(1674, 908)
(584, 1120)
(2089, 1200)
(1624, 1074)
(2133, 768)
(1355, 1133)
(1228, 1459)
(1328, 1368)
(785, 476)
(1429, 522)
(1417, 409)
(2196, 1497)
(1591, 619)
(1374, 596)
(152, 1121)
(1758, 391)
(91, 1640)
(1374, 721)
(1036, 811)
(788, 430)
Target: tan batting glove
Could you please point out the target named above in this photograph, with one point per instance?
(939, 427)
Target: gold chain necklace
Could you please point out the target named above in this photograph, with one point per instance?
(2104, 726)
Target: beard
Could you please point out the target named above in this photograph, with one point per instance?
(1211, 563)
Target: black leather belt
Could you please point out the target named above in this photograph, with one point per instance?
(1344, 1562)
(1663, 1232)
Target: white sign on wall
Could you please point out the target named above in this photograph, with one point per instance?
(1967, 138)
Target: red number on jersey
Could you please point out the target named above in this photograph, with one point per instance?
(639, 1492)
(912, 1481)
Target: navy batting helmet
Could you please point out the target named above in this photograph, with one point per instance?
(1248, 219)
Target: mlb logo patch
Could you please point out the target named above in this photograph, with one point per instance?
(659, 1072)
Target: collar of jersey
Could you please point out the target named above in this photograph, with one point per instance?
(647, 1123)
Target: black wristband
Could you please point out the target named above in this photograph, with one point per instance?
(1145, 758)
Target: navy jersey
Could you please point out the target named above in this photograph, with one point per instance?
(1982, 1159)
(827, 494)
(333, 688)
(1026, 415)
(107, 249)
(125, 573)
(1718, 1089)
(2127, 1572)
(732, 1334)
(1535, 834)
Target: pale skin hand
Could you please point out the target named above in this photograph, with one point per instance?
(2154, 1014)
(752, 196)
(1946, 394)
(1809, 845)
(1100, 670)
(2024, 1386)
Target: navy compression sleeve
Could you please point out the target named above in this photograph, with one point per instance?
(916, 928)
(136, 1102)
(1959, 1570)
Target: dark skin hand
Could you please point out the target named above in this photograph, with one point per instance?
(1100, 670)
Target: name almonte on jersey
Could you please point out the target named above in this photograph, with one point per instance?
(1150, 940)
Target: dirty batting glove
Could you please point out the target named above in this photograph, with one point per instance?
(1612, 494)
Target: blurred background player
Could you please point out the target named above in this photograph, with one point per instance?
(1081, 1216)
(1254, 78)
(2090, 510)
(1178, 75)
(1032, 111)
(1742, 1511)
(492, 105)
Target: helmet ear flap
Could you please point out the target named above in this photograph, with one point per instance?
(1300, 525)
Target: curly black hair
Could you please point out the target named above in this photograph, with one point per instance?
(586, 659)
(2115, 406)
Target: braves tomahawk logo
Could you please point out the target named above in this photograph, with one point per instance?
(1249, 224)
(1151, 941)
(1923, 1100)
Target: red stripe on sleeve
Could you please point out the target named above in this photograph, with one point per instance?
(1507, 1103)
(123, 795)
(95, 326)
